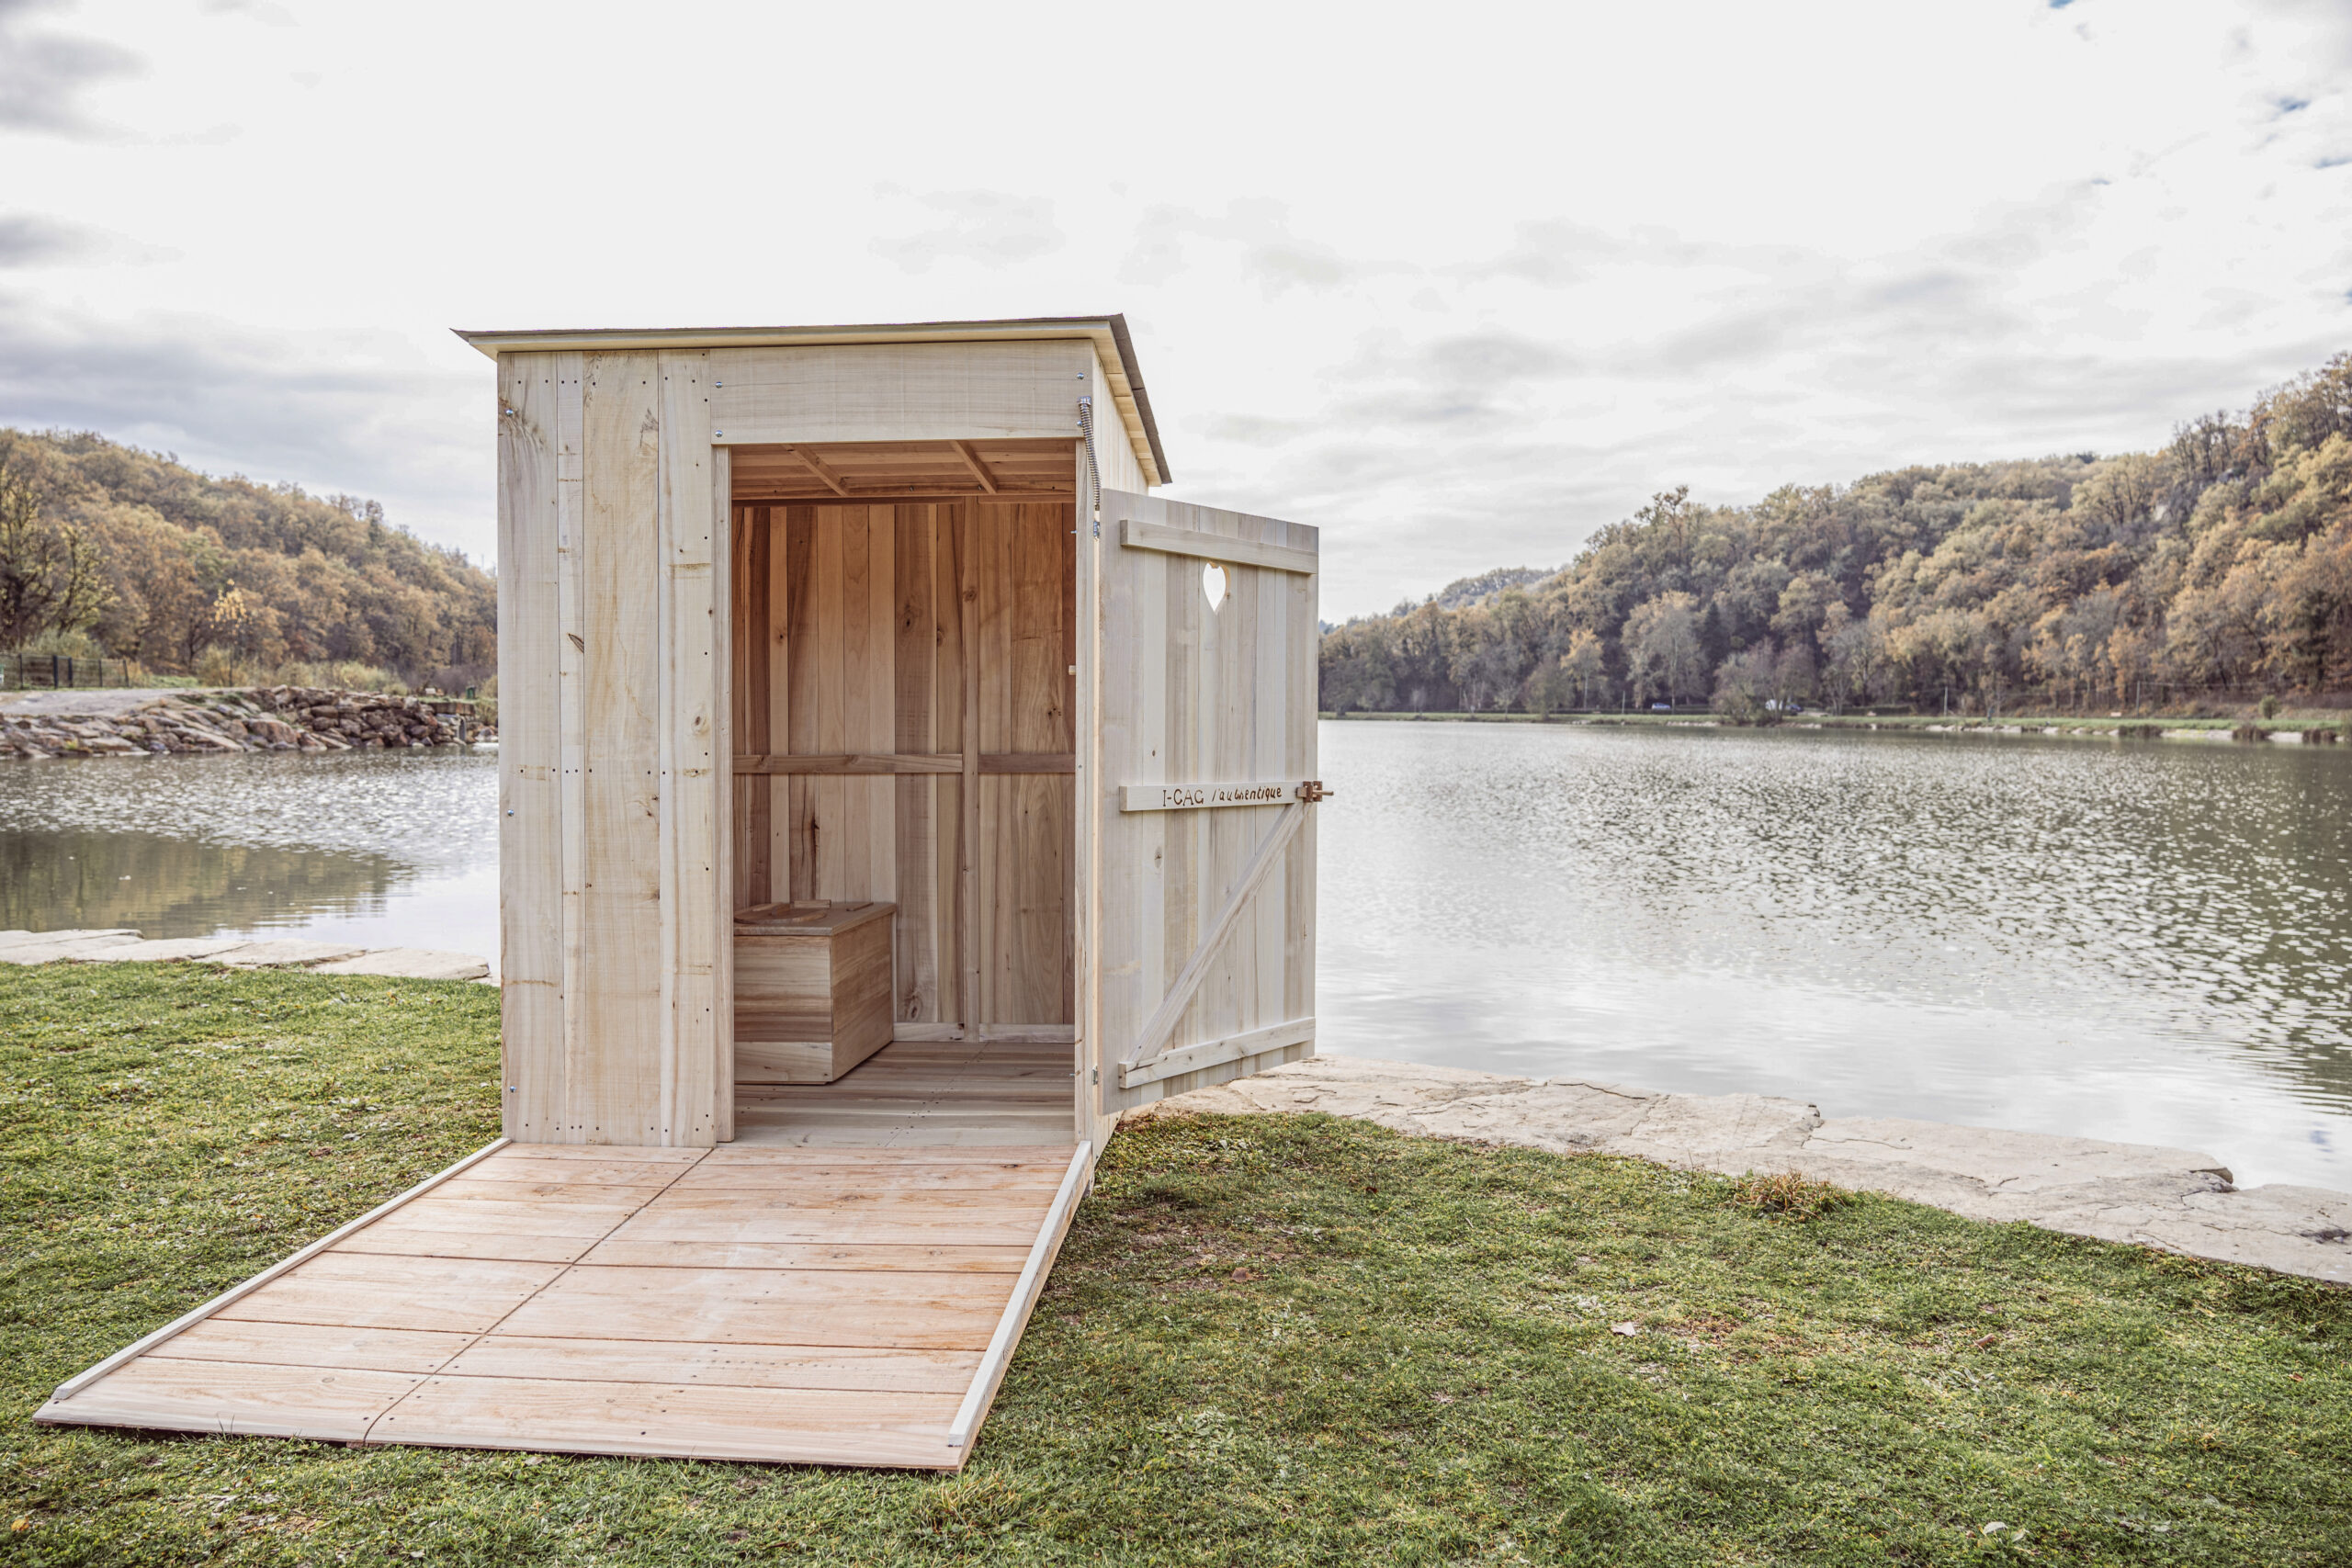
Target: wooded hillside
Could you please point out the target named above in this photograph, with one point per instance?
(153, 561)
(2219, 567)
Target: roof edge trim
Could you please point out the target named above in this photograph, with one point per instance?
(1108, 332)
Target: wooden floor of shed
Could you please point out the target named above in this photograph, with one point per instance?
(829, 1305)
(922, 1094)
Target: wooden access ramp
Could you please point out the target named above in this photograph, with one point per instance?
(850, 1306)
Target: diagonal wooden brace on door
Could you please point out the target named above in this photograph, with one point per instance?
(1153, 1037)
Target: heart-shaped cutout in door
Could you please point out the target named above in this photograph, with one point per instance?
(1213, 584)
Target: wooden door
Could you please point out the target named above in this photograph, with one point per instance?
(1200, 842)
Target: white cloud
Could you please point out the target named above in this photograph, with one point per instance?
(1253, 236)
(1459, 294)
(987, 227)
(44, 72)
(33, 240)
(27, 238)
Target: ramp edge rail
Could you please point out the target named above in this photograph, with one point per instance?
(998, 1355)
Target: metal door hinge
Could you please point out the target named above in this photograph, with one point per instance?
(1312, 791)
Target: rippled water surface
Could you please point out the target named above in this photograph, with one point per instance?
(2149, 941)
(387, 848)
(2141, 940)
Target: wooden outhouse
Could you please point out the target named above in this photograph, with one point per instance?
(893, 790)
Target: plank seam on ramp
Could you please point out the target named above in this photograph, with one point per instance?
(369, 1434)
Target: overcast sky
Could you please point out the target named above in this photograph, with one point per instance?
(1459, 283)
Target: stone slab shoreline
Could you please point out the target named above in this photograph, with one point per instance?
(125, 946)
(2175, 1200)
(125, 722)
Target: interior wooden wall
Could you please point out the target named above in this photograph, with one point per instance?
(612, 863)
(903, 729)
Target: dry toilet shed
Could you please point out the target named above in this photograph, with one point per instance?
(893, 791)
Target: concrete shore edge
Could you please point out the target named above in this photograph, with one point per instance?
(123, 945)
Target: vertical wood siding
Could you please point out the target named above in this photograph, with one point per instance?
(611, 522)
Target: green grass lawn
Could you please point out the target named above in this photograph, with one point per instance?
(1269, 1340)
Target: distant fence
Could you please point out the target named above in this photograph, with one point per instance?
(57, 671)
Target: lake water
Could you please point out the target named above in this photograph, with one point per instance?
(379, 847)
(2135, 940)
(2146, 940)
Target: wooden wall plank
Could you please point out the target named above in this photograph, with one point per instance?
(991, 534)
(818, 722)
(1300, 739)
(915, 670)
(1085, 864)
(717, 890)
(873, 670)
(690, 533)
(971, 942)
(572, 725)
(750, 549)
(1270, 724)
(825, 724)
(1131, 650)
(1221, 840)
(797, 637)
(903, 392)
(1183, 610)
(843, 666)
(950, 733)
(571, 696)
(738, 655)
(616, 1008)
(851, 832)
(529, 761)
(1025, 604)
(779, 706)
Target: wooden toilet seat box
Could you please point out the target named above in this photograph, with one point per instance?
(813, 989)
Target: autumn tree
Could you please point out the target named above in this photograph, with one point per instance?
(1662, 651)
(1585, 664)
(51, 579)
(314, 580)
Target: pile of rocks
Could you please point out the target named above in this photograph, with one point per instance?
(271, 718)
(362, 719)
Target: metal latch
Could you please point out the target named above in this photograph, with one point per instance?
(1312, 791)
